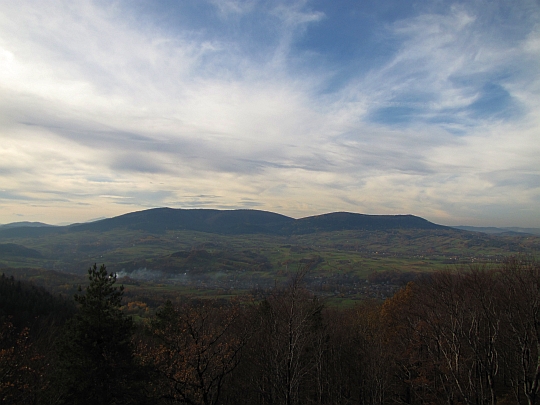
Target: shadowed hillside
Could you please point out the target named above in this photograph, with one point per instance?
(346, 221)
(12, 249)
(159, 220)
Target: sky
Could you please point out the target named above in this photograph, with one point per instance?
(430, 108)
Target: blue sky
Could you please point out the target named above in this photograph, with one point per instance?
(296, 107)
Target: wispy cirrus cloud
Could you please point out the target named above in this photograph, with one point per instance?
(431, 111)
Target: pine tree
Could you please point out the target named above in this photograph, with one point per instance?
(97, 363)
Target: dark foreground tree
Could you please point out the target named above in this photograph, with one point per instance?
(285, 359)
(96, 356)
(194, 349)
(30, 319)
(20, 366)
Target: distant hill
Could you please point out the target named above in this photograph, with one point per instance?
(24, 224)
(12, 249)
(159, 220)
(232, 222)
(346, 221)
(500, 231)
(237, 222)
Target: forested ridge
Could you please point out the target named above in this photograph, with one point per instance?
(462, 336)
(229, 222)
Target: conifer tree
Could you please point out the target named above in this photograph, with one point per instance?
(97, 362)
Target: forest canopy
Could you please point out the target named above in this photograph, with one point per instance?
(464, 336)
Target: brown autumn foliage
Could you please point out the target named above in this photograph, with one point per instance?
(192, 349)
(468, 336)
(284, 360)
(461, 336)
(21, 367)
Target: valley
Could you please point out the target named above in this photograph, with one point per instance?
(242, 251)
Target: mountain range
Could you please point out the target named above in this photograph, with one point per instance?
(24, 224)
(246, 248)
(228, 222)
(491, 230)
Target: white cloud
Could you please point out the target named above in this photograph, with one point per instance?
(99, 106)
(229, 8)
